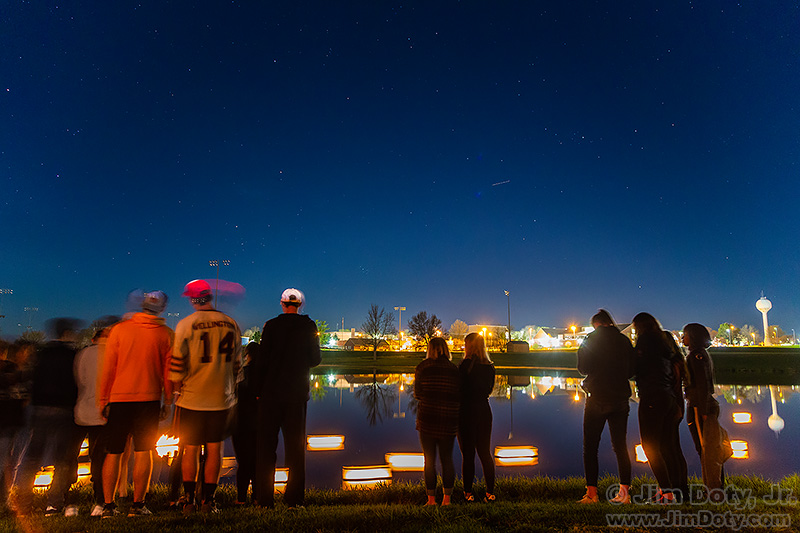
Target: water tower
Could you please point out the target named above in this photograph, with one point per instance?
(765, 305)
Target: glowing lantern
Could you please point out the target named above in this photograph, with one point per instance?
(167, 445)
(516, 455)
(640, 455)
(366, 477)
(406, 462)
(325, 442)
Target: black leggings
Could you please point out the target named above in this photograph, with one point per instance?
(445, 446)
(595, 415)
(475, 435)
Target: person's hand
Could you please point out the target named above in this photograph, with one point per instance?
(164, 411)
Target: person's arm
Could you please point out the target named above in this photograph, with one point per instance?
(315, 355)
(108, 370)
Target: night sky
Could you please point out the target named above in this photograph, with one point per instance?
(637, 156)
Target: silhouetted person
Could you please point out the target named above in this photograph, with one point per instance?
(658, 362)
(244, 431)
(437, 388)
(88, 416)
(204, 369)
(702, 414)
(289, 349)
(132, 385)
(52, 425)
(606, 359)
(475, 415)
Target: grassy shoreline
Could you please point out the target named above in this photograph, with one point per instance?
(524, 504)
(747, 365)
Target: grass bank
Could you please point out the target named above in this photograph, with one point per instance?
(524, 504)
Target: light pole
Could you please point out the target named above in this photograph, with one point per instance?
(764, 306)
(176, 316)
(730, 336)
(30, 311)
(11, 291)
(216, 263)
(508, 297)
(400, 322)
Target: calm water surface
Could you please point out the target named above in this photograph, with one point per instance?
(377, 416)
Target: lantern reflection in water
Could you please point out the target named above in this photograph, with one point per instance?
(317, 443)
(740, 449)
(406, 462)
(516, 455)
(366, 477)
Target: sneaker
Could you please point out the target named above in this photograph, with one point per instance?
(619, 499)
(97, 510)
(588, 499)
(137, 510)
(468, 496)
(189, 508)
(71, 510)
(209, 508)
(179, 503)
(51, 511)
(110, 511)
(489, 498)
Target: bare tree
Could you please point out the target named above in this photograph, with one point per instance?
(423, 328)
(378, 325)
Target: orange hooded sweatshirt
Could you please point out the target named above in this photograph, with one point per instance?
(136, 361)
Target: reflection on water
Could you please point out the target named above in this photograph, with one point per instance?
(376, 415)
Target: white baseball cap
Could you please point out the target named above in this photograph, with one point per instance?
(293, 296)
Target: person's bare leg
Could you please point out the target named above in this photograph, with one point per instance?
(213, 462)
(110, 476)
(142, 470)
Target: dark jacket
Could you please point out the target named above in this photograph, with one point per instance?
(437, 389)
(477, 383)
(606, 358)
(53, 379)
(700, 383)
(12, 397)
(289, 349)
(657, 360)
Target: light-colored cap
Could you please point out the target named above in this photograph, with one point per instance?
(293, 296)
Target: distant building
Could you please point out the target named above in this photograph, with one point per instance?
(360, 343)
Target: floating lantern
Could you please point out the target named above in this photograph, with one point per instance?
(742, 418)
(406, 462)
(516, 455)
(84, 448)
(316, 443)
(366, 477)
(43, 478)
(640, 455)
(281, 479)
(167, 446)
(740, 450)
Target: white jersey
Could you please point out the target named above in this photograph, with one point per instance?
(206, 358)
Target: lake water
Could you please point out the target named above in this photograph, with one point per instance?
(377, 417)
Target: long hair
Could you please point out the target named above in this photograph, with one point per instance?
(475, 348)
(698, 335)
(437, 348)
(645, 323)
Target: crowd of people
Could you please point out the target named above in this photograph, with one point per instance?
(663, 377)
(115, 391)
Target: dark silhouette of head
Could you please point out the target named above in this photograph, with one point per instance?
(696, 335)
